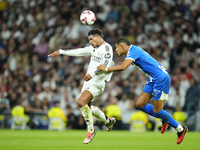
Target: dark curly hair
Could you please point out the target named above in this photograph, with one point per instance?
(95, 31)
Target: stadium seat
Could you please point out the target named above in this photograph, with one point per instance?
(19, 119)
(56, 123)
(180, 117)
(138, 121)
(18, 123)
(198, 121)
(1, 121)
(158, 125)
(137, 126)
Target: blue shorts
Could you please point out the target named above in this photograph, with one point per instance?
(159, 90)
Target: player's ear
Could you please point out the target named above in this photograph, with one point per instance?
(123, 46)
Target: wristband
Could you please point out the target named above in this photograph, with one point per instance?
(106, 69)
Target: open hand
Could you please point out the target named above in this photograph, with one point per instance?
(54, 54)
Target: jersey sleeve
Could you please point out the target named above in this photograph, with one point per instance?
(133, 53)
(77, 52)
(107, 56)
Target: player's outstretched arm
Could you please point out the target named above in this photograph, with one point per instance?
(120, 67)
(54, 54)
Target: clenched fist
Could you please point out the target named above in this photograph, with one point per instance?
(87, 77)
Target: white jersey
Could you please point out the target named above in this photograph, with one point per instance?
(100, 55)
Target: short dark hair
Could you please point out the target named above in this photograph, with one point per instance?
(123, 40)
(95, 31)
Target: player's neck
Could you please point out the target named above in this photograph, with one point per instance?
(101, 42)
(128, 48)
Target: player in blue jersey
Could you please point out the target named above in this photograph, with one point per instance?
(157, 86)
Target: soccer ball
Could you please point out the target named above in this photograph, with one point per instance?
(87, 17)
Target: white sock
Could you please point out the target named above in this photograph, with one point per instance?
(179, 128)
(87, 115)
(96, 112)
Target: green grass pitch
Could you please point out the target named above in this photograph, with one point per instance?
(113, 140)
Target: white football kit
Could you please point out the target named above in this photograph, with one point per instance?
(99, 55)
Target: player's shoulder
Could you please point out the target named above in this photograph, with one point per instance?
(107, 44)
(107, 47)
(136, 47)
(89, 47)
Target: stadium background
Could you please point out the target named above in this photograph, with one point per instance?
(31, 29)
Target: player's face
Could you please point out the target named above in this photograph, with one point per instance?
(118, 49)
(94, 40)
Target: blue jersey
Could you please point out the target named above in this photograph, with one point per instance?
(146, 64)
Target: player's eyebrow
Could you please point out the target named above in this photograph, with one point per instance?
(91, 38)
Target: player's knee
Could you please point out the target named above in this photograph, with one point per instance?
(156, 110)
(139, 105)
(80, 103)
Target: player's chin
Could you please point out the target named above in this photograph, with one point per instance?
(93, 45)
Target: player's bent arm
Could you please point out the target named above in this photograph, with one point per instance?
(121, 67)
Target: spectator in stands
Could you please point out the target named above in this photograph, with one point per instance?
(42, 48)
(192, 98)
(72, 119)
(4, 105)
(81, 123)
(57, 112)
(179, 115)
(124, 103)
(112, 14)
(112, 110)
(5, 32)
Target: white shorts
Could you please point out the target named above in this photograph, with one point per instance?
(96, 88)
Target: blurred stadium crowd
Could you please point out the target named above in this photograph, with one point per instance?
(30, 29)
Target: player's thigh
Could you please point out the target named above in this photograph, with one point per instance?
(143, 99)
(85, 98)
(160, 94)
(161, 89)
(94, 88)
(158, 105)
(146, 95)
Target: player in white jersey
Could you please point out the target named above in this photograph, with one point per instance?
(95, 80)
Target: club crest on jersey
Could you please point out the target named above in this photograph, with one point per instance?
(107, 55)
